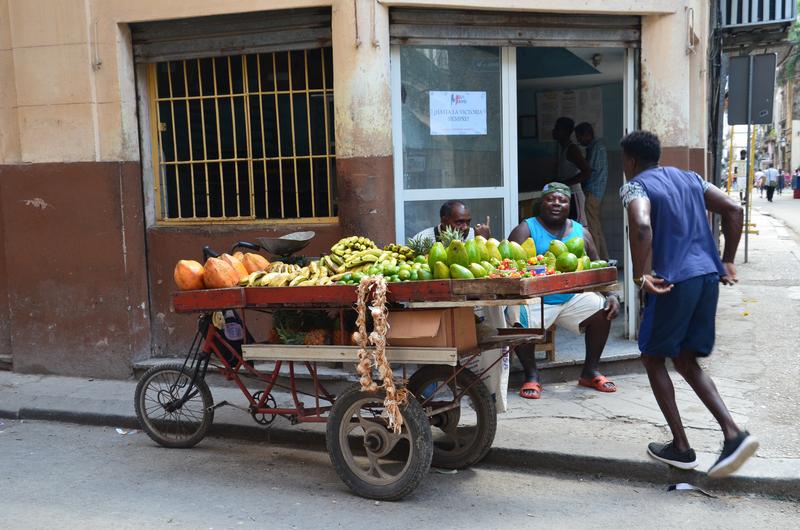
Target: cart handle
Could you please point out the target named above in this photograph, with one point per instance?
(208, 252)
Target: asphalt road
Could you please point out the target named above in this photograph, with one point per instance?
(67, 476)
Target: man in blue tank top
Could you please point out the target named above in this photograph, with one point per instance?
(589, 313)
(667, 214)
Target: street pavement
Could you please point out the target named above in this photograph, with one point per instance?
(575, 429)
(65, 476)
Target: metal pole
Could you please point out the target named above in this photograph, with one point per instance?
(749, 152)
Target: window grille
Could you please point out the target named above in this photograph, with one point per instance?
(244, 138)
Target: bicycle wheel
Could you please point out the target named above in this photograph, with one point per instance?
(462, 436)
(161, 412)
(368, 457)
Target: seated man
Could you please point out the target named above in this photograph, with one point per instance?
(590, 313)
(456, 214)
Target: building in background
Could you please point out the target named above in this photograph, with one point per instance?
(134, 133)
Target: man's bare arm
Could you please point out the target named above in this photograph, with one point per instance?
(732, 220)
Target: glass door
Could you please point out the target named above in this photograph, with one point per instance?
(453, 136)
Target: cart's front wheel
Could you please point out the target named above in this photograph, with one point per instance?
(172, 410)
(464, 430)
(372, 460)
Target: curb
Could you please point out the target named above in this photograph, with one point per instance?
(519, 460)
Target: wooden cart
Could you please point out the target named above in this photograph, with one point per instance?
(449, 419)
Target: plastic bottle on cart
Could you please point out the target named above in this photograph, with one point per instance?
(234, 331)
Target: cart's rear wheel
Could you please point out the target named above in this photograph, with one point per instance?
(463, 435)
(169, 415)
(368, 457)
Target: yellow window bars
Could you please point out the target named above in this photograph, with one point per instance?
(244, 138)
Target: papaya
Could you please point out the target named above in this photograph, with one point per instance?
(237, 265)
(505, 249)
(477, 270)
(493, 241)
(481, 245)
(530, 247)
(457, 253)
(422, 274)
(218, 274)
(492, 251)
(436, 254)
(576, 246)
(188, 275)
(517, 252)
(480, 240)
(441, 271)
(557, 247)
(460, 272)
(473, 253)
(254, 262)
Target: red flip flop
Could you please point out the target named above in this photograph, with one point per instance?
(533, 388)
(599, 383)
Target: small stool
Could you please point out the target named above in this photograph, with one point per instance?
(549, 344)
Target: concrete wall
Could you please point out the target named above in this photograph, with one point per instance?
(77, 300)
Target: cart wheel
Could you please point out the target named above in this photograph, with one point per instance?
(461, 436)
(368, 457)
(162, 417)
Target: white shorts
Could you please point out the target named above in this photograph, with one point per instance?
(568, 315)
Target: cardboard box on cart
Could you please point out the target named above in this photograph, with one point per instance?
(451, 327)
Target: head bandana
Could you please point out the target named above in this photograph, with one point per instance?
(556, 187)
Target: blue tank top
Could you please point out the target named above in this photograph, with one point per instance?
(542, 238)
(683, 246)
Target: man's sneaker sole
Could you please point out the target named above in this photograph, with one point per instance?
(746, 449)
(674, 463)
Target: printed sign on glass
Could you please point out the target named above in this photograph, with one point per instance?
(457, 113)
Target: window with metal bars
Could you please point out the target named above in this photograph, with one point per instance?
(244, 138)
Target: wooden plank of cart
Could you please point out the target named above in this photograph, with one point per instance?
(440, 427)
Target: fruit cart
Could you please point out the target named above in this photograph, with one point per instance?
(448, 415)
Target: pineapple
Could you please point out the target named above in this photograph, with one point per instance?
(420, 245)
(316, 337)
(449, 234)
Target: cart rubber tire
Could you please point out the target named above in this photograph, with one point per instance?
(482, 403)
(416, 431)
(165, 374)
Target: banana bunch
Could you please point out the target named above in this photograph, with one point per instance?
(352, 245)
(402, 250)
(332, 262)
(285, 275)
(279, 266)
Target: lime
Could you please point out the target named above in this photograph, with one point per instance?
(420, 259)
(414, 276)
(404, 274)
(358, 276)
(347, 277)
(394, 278)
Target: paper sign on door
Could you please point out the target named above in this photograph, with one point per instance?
(457, 113)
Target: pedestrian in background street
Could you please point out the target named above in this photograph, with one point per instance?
(669, 228)
(781, 181)
(771, 176)
(759, 182)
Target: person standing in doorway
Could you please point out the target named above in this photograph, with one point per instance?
(594, 189)
(572, 169)
(667, 214)
(771, 177)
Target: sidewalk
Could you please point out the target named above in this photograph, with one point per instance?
(755, 366)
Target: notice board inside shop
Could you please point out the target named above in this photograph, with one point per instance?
(583, 104)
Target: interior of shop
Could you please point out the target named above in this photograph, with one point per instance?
(586, 85)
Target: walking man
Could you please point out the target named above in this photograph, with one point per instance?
(595, 188)
(771, 175)
(668, 227)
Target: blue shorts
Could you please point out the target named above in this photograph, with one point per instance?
(683, 319)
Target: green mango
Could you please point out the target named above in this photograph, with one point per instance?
(530, 247)
(422, 274)
(567, 262)
(517, 252)
(599, 264)
(496, 262)
(505, 249)
(576, 246)
(477, 270)
(584, 263)
(492, 251)
(457, 254)
(441, 271)
(436, 254)
(488, 266)
(473, 253)
(460, 272)
(557, 247)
